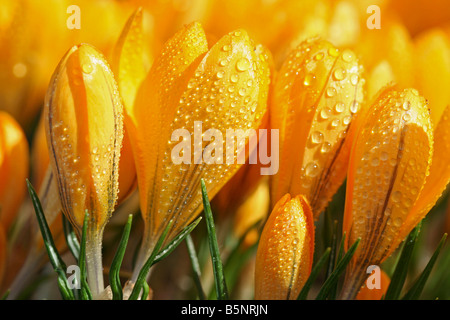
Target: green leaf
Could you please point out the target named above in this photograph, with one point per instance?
(313, 275)
(142, 276)
(195, 267)
(114, 274)
(340, 268)
(176, 241)
(71, 238)
(401, 269)
(416, 289)
(219, 276)
(85, 291)
(5, 295)
(55, 259)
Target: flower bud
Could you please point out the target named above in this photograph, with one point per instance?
(285, 251)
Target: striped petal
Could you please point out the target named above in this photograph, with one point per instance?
(316, 96)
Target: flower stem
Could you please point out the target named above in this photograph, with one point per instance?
(94, 261)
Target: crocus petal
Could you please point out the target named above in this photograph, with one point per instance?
(374, 293)
(438, 178)
(285, 251)
(432, 52)
(14, 161)
(316, 95)
(224, 88)
(389, 162)
(84, 154)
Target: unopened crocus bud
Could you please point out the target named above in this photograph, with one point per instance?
(83, 120)
(285, 251)
(389, 163)
(14, 162)
(317, 94)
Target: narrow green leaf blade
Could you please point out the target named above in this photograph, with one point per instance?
(219, 276)
(195, 267)
(313, 275)
(176, 241)
(138, 286)
(114, 274)
(340, 268)
(71, 238)
(416, 289)
(55, 259)
(401, 269)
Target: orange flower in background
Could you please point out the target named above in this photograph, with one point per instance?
(375, 293)
(317, 93)
(432, 75)
(224, 86)
(389, 164)
(285, 250)
(14, 161)
(85, 156)
(33, 37)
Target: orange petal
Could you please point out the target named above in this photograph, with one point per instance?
(439, 177)
(432, 52)
(316, 95)
(390, 159)
(285, 251)
(375, 293)
(226, 88)
(14, 162)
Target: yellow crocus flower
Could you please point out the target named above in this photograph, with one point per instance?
(389, 163)
(14, 161)
(224, 86)
(317, 94)
(84, 126)
(432, 70)
(285, 250)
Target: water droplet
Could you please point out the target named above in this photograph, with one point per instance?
(335, 123)
(396, 196)
(354, 107)
(326, 147)
(87, 68)
(334, 52)
(319, 56)
(354, 79)
(325, 113)
(331, 92)
(220, 74)
(226, 48)
(234, 78)
(242, 64)
(317, 137)
(339, 107)
(406, 106)
(223, 62)
(406, 117)
(339, 74)
(347, 56)
(312, 169)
